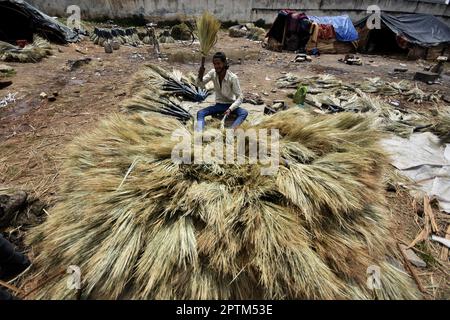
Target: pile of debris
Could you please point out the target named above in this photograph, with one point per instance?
(10, 204)
(248, 31)
(351, 59)
(302, 57)
(34, 52)
(10, 97)
(253, 98)
(140, 226)
(277, 106)
(19, 211)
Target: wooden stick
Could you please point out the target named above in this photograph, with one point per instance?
(284, 33)
(444, 251)
(411, 270)
(429, 211)
(44, 282)
(10, 287)
(427, 229)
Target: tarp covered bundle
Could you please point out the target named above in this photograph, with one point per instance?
(422, 29)
(294, 31)
(343, 26)
(20, 21)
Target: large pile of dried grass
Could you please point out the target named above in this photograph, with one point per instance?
(142, 227)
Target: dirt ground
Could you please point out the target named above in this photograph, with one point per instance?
(34, 131)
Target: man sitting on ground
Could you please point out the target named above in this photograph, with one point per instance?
(228, 92)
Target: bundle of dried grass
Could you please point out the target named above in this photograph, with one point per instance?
(331, 95)
(165, 37)
(441, 126)
(34, 52)
(142, 227)
(257, 34)
(207, 29)
(323, 84)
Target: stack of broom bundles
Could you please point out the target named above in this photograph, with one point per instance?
(34, 52)
(123, 36)
(140, 226)
(167, 83)
(207, 28)
(155, 90)
(145, 101)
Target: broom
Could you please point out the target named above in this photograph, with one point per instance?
(207, 28)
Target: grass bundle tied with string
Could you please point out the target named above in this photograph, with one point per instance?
(207, 28)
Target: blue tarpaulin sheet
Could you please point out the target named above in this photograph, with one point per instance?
(343, 26)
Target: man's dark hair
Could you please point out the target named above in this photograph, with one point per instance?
(222, 57)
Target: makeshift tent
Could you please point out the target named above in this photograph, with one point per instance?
(418, 35)
(20, 21)
(343, 39)
(290, 31)
(296, 31)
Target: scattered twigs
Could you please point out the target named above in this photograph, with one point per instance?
(411, 270)
(45, 281)
(12, 288)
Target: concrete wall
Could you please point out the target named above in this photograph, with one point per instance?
(242, 10)
(356, 9)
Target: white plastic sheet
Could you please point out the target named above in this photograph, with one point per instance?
(424, 160)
